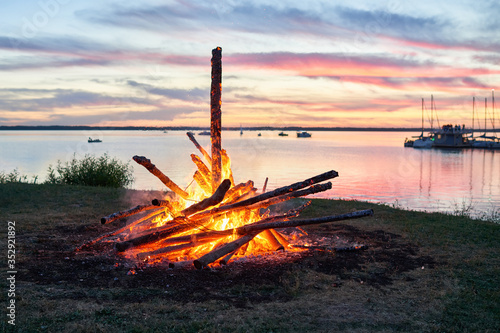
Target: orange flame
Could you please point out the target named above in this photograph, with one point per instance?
(195, 247)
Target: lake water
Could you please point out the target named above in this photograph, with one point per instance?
(372, 166)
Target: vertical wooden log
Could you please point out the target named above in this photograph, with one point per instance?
(215, 116)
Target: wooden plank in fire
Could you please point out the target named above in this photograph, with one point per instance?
(160, 175)
(216, 116)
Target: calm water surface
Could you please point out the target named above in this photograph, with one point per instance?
(372, 166)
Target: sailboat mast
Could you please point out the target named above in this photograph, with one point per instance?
(473, 111)
(433, 110)
(493, 108)
(485, 106)
(422, 135)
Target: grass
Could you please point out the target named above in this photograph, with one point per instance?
(458, 294)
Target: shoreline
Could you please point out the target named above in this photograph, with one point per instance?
(225, 128)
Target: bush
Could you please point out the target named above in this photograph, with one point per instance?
(15, 177)
(91, 171)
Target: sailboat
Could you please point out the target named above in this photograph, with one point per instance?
(487, 141)
(241, 130)
(424, 141)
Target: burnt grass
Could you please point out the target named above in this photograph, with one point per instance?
(258, 279)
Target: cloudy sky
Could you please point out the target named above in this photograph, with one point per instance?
(285, 63)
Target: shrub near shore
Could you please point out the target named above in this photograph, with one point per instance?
(89, 171)
(92, 171)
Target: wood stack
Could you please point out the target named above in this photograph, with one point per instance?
(225, 220)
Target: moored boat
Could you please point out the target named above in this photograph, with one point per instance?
(90, 140)
(485, 141)
(450, 136)
(423, 142)
(303, 134)
(409, 143)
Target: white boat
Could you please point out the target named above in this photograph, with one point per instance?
(303, 134)
(486, 144)
(423, 142)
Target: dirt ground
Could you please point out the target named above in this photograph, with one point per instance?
(383, 257)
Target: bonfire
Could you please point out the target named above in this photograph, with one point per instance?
(214, 220)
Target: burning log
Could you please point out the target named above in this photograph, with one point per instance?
(161, 176)
(202, 168)
(202, 182)
(269, 236)
(163, 203)
(175, 248)
(126, 213)
(120, 230)
(236, 192)
(158, 233)
(216, 116)
(300, 223)
(215, 199)
(223, 250)
(228, 257)
(280, 238)
(200, 148)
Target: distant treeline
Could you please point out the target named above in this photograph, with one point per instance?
(185, 128)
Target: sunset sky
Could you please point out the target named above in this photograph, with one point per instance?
(285, 63)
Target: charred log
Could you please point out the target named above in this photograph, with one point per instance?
(265, 185)
(300, 223)
(202, 167)
(269, 236)
(125, 213)
(202, 182)
(200, 148)
(212, 256)
(215, 116)
(161, 176)
(282, 240)
(215, 199)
